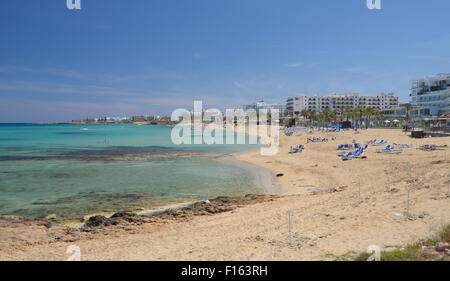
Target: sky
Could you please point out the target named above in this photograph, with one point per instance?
(122, 58)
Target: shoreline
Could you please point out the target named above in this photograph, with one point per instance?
(84, 211)
(262, 177)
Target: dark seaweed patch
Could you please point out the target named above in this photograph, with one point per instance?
(116, 153)
(92, 196)
(10, 139)
(75, 133)
(59, 175)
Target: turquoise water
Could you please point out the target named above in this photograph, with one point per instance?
(74, 170)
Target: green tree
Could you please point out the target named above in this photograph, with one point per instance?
(408, 108)
(309, 115)
(369, 113)
(338, 113)
(348, 112)
(360, 111)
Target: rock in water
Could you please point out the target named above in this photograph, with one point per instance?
(98, 221)
(51, 217)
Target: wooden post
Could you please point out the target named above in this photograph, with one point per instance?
(290, 227)
(390, 173)
(359, 189)
(448, 191)
(407, 203)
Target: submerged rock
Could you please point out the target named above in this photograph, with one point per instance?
(50, 217)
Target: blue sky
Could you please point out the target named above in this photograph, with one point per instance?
(119, 58)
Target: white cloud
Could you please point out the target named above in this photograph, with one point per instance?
(59, 72)
(34, 110)
(294, 64)
(61, 88)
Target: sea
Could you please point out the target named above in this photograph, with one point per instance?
(76, 170)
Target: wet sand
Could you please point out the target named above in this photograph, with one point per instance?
(263, 177)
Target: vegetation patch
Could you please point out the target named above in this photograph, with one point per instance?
(436, 248)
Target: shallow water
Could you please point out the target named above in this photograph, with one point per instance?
(70, 171)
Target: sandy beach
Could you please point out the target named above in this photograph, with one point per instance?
(337, 208)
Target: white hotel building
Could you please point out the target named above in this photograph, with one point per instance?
(295, 105)
(432, 95)
(262, 105)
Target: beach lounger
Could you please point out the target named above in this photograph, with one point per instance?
(382, 142)
(354, 154)
(293, 150)
(432, 147)
(389, 149)
(344, 147)
(403, 145)
(297, 149)
(359, 153)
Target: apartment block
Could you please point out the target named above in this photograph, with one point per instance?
(432, 95)
(315, 102)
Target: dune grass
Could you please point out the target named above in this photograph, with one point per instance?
(414, 252)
